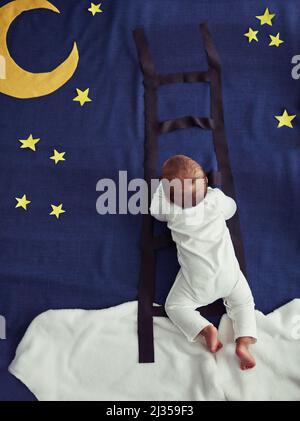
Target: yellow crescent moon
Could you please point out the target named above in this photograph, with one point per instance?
(22, 84)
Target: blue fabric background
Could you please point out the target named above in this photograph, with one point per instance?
(89, 261)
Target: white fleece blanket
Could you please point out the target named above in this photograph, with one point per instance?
(69, 355)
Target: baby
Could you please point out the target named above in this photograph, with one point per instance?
(196, 216)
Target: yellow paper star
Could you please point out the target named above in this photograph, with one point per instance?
(58, 156)
(82, 96)
(95, 8)
(266, 18)
(57, 210)
(285, 119)
(29, 143)
(22, 202)
(275, 40)
(251, 35)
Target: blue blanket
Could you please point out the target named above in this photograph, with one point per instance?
(85, 260)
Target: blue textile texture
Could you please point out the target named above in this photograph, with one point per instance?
(84, 260)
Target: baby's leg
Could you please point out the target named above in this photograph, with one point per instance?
(247, 360)
(181, 309)
(210, 334)
(240, 308)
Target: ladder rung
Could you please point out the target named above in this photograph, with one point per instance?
(187, 77)
(185, 123)
(162, 241)
(159, 311)
(214, 178)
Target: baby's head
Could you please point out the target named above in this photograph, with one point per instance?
(184, 181)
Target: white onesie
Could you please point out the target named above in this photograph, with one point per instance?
(209, 268)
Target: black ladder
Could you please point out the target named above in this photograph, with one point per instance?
(153, 129)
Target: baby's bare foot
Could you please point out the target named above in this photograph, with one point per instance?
(247, 360)
(210, 334)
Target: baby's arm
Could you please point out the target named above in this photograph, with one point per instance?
(226, 204)
(157, 207)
